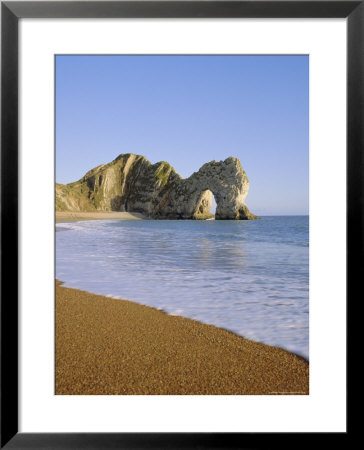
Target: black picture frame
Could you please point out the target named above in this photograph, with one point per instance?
(11, 12)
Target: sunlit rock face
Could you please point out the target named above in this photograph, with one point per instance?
(132, 183)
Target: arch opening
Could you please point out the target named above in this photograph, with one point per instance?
(206, 206)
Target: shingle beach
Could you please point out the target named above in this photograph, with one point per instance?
(117, 347)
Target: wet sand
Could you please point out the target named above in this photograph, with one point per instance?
(68, 216)
(117, 347)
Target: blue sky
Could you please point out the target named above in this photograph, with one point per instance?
(189, 110)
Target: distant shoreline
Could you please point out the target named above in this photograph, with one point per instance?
(76, 216)
(106, 346)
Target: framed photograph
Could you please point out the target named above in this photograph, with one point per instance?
(181, 221)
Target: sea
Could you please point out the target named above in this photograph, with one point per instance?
(250, 277)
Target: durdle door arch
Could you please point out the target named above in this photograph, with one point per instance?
(131, 183)
(226, 180)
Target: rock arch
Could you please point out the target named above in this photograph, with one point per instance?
(132, 183)
(226, 180)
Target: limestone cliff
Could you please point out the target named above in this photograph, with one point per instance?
(132, 183)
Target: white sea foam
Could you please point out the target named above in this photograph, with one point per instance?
(250, 277)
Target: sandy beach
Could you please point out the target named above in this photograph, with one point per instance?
(75, 216)
(117, 347)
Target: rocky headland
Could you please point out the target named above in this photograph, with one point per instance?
(131, 183)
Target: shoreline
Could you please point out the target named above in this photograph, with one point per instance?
(107, 346)
(76, 216)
